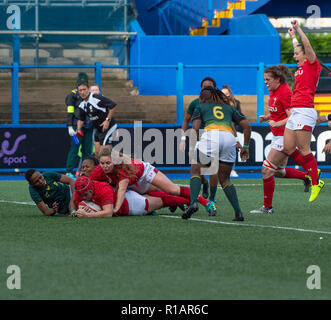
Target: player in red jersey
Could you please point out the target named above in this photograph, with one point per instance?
(280, 94)
(127, 174)
(133, 204)
(301, 123)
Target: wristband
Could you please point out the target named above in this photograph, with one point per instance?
(183, 138)
(237, 139)
(246, 146)
(73, 211)
(295, 41)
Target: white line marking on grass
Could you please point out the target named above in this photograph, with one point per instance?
(209, 221)
(248, 184)
(18, 202)
(250, 225)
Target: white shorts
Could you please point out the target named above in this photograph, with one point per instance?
(218, 144)
(277, 143)
(146, 179)
(137, 203)
(302, 119)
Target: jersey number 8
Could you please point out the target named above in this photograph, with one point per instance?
(218, 113)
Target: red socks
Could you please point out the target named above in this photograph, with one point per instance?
(268, 191)
(291, 173)
(169, 200)
(311, 167)
(185, 193)
(308, 162)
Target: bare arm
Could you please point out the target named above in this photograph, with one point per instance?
(122, 188)
(71, 182)
(195, 133)
(105, 124)
(264, 118)
(309, 51)
(106, 212)
(80, 124)
(238, 145)
(45, 210)
(244, 153)
(186, 121)
(280, 123)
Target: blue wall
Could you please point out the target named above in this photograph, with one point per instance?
(170, 17)
(261, 44)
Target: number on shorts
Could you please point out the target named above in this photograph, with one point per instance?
(218, 113)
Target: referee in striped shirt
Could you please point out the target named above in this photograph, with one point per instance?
(72, 102)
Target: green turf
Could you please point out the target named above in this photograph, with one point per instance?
(166, 258)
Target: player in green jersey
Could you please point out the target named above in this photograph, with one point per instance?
(51, 191)
(213, 179)
(216, 148)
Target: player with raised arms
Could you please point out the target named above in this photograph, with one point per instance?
(301, 123)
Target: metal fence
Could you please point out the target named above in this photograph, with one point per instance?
(180, 74)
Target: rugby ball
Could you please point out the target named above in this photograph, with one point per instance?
(89, 206)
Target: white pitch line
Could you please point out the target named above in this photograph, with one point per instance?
(210, 221)
(18, 202)
(249, 225)
(249, 184)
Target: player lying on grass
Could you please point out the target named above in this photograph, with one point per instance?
(51, 191)
(126, 174)
(90, 163)
(135, 204)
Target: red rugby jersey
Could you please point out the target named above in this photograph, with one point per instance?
(279, 101)
(305, 84)
(114, 178)
(104, 194)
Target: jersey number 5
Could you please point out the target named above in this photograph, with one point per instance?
(218, 113)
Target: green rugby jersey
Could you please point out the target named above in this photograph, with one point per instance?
(55, 191)
(190, 109)
(216, 116)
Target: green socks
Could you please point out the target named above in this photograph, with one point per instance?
(212, 192)
(231, 194)
(195, 186)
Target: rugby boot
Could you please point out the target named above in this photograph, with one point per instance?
(263, 209)
(193, 207)
(211, 208)
(315, 190)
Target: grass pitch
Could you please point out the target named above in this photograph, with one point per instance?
(165, 257)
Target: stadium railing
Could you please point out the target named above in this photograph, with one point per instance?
(98, 66)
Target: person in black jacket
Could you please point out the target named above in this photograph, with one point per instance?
(72, 102)
(100, 110)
